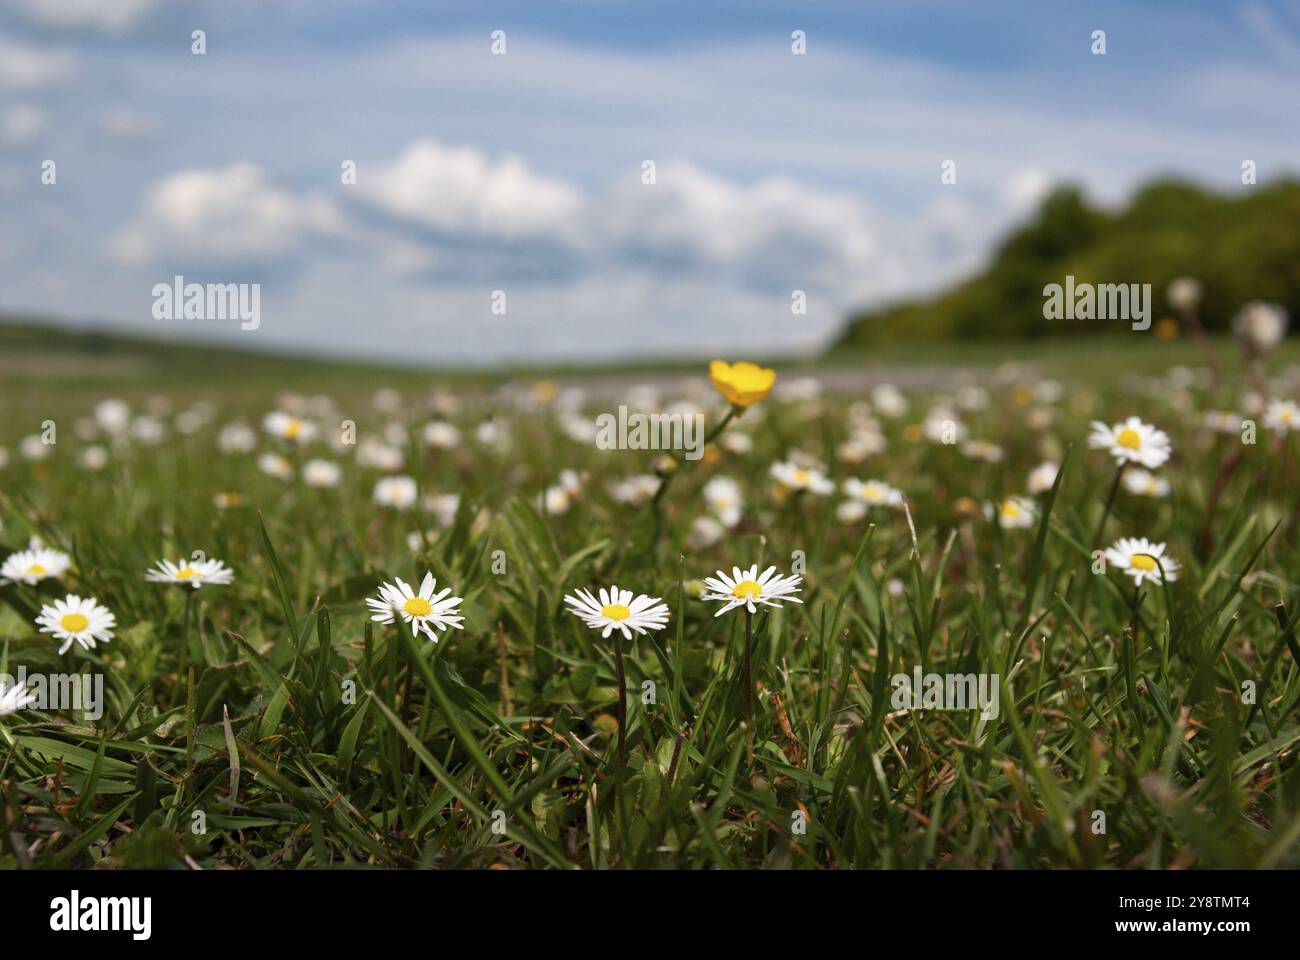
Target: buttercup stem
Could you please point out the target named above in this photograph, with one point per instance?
(655, 503)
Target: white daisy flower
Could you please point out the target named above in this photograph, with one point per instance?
(860, 445)
(571, 481)
(236, 438)
(15, 698)
(373, 452)
(1282, 416)
(942, 426)
(1012, 513)
(557, 500)
(190, 422)
(851, 511)
(490, 433)
(705, 532)
(1048, 391)
(983, 450)
(33, 448)
(971, 397)
(889, 400)
(275, 465)
(417, 541)
(744, 588)
(443, 506)
(1042, 477)
(424, 610)
(799, 389)
(559, 497)
(1131, 442)
(1184, 294)
(1142, 560)
(74, 620)
(737, 442)
(192, 573)
(286, 426)
(225, 500)
(873, 493)
(387, 399)
(1222, 421)
(113, 416)
(398, 493)
(723, 496)
(148, 430)
(795, 477)
(32, 566)
(94, 457)
(1261, 326)
(634, 490)
(581, 429)
(441, 435)
(644, 397)
(321, 473)
(618, 610)
(1143, 484)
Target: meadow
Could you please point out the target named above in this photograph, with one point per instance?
(939, 514)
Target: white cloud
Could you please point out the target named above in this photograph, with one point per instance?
(129, 125)
(111, 16)
(458, 189)
(20, 125)
(24, 67)
(1025, 189)
(776, 231)
(687, 261)
(230, 214)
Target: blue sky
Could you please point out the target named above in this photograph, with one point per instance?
(522, 172)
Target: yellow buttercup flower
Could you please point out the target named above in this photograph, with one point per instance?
(741, 384)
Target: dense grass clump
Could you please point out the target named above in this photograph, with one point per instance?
(270, 723)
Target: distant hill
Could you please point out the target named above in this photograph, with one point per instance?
(1242, 247)
(33, 348)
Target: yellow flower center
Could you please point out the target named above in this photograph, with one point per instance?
(1143, 561)
(615, 611)
(292, 429)
(186, 573)
(36, 570)
(1286, 414)
(746, 589)
(417, 607)
(1010, 509)
(802, 477)
(1128, 437)
(873, 493)
(74, 622)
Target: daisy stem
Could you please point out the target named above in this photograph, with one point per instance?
(1110, 503)
(622, 699)
(185, 630)
(1204, 344)
(748, 680)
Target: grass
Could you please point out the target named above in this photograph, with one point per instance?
(271, 724)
